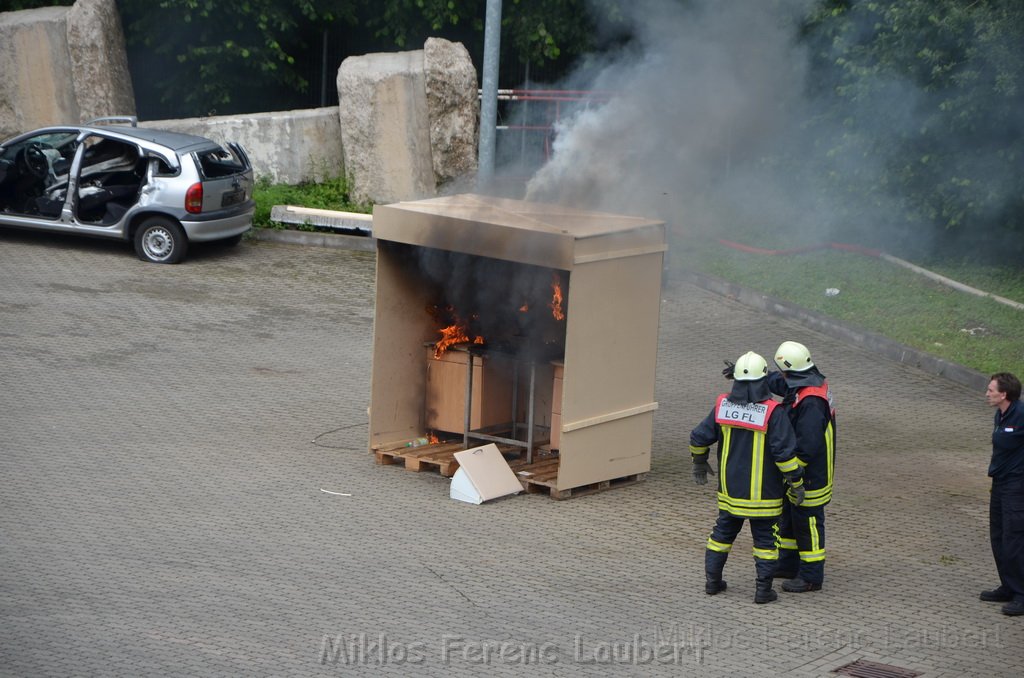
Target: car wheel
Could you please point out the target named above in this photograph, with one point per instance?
(161, 241)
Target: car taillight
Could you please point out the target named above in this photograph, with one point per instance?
(194, 199)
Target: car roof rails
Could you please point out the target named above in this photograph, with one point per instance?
(130, 119)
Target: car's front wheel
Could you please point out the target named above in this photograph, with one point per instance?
(160, 240)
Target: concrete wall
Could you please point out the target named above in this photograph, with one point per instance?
(288, 147)
(62, 65)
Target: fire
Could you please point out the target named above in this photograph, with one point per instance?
(456, 333)
(556, 297)
(433, 439)
(524, 308)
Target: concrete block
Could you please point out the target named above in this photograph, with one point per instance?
(385, 127)
(453, 108)
(62, 65)
(99, 64)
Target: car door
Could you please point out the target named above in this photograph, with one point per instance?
(108, 176)
(34, 171)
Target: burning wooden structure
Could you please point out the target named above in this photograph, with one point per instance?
(529, 325)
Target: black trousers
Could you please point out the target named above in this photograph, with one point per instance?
(1006, 529)
(802, 541)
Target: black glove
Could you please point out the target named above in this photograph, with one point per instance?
(701, 469)
(730, 368)
(795, 480)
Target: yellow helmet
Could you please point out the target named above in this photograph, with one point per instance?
(750, 367)
(792, 356)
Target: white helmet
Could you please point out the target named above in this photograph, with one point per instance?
(792, 356)
(750, 367)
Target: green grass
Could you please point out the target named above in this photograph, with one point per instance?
(331, 194)
(882, 297)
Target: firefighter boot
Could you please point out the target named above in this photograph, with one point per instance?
(809, 578)
(714, 563)
(800, 585)
(764, 592)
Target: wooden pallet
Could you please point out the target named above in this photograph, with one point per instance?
(543, 475)
(439, 455)
(539, 477)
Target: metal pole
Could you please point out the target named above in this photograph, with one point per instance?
(529, 414)
(469, 401)
(489, 97)
(323, 72)
(526, 122)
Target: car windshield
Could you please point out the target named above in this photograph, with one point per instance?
(62, 141)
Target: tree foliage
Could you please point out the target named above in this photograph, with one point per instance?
(223, 54)
(15, 5)
(929, 94)
(238, 55)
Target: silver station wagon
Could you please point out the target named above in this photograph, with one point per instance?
(160, 190)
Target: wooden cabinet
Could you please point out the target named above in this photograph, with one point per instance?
(556, 404)
(445, 402)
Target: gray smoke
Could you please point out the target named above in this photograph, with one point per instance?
(706, 93)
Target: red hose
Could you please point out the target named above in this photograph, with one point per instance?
(801, 250)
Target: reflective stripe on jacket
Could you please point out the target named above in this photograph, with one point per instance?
(813, 416)
(752, 456)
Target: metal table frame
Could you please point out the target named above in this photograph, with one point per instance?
(482, 434)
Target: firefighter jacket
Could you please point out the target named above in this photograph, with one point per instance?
(1008, 443)
(755, 448)
(814, 422)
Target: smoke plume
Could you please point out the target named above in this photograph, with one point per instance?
(707, 131)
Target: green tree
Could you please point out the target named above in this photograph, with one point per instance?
(222, 55)
(245, 55)
(929, 93)
(15, 5)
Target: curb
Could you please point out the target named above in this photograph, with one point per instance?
(893, 350)
(316, 239)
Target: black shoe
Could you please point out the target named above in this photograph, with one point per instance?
(764, 592)
(997, 595)
(1014, 608)
(798, 585)
(714, 586)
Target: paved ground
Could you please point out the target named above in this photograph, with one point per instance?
(166, 433)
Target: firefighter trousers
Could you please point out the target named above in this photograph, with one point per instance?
(765, 535)
(802, 541)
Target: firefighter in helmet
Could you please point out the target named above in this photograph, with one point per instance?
(808, 402)
(756, 447)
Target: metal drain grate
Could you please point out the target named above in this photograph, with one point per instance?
(862, 668)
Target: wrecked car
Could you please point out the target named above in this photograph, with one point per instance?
(110, 178)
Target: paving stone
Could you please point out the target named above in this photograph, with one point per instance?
(167, 432)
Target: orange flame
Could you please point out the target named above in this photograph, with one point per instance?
(456, 333)
(524, 308)
(556, 297)
(433, 439)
